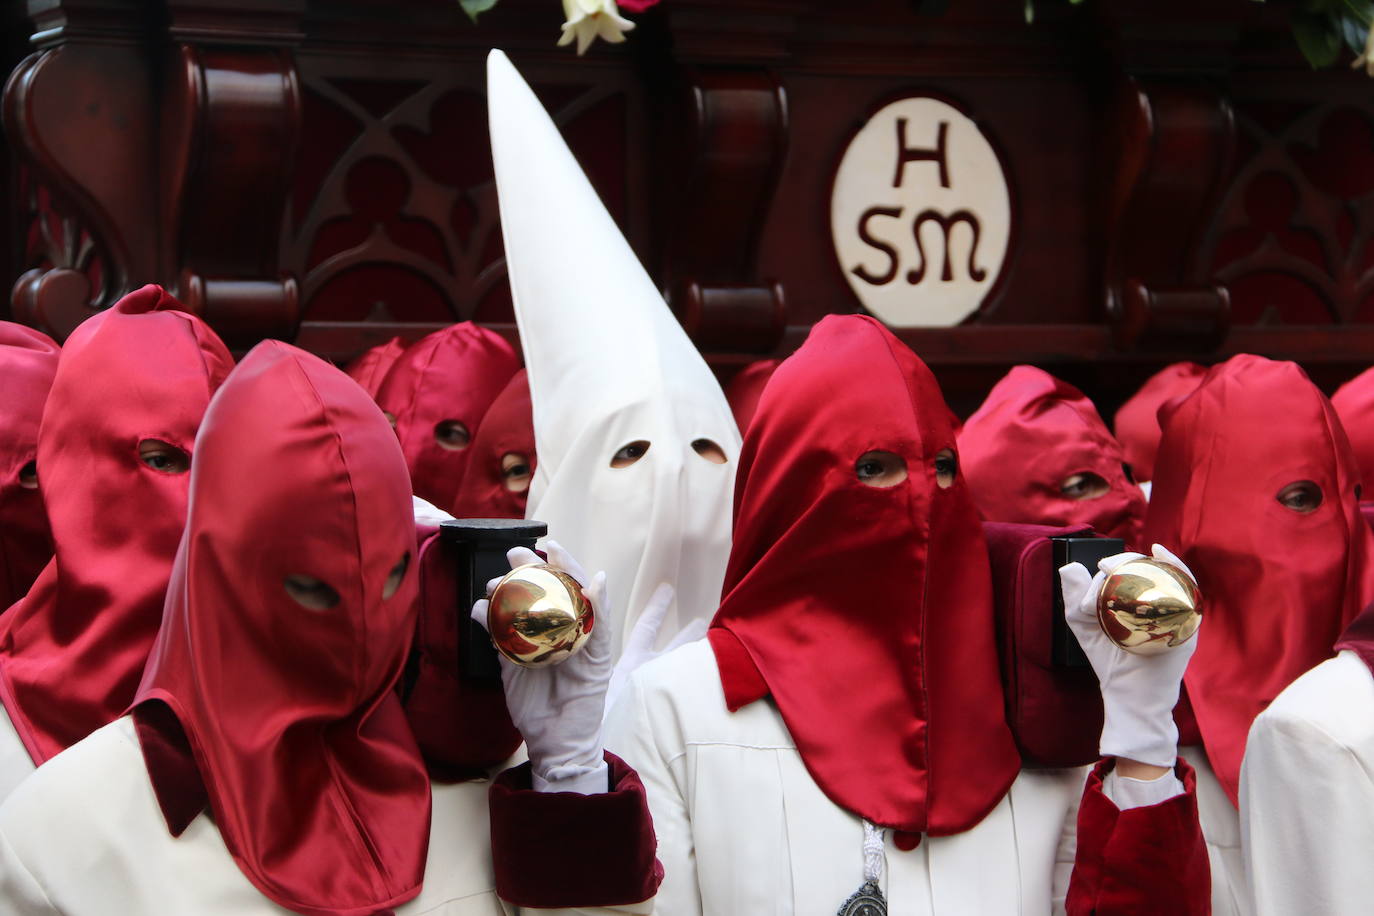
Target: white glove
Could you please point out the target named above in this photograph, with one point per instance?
(639, 648)
(559, 709)
(1139, 692)
(426, 513)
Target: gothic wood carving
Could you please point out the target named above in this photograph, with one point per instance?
(393, 224)
(1293, 237)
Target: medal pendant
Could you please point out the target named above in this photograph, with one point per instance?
(866, 901)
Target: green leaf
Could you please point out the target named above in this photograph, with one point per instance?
(1318, 39)
(473, 7)
(1030, 11)
(1362, 10)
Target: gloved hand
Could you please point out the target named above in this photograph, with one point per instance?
(559, 709)
(1139, 692)
(426, 513)
(639, 648)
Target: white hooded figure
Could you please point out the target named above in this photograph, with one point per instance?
(637, 446)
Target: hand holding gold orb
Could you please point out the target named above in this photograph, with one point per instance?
(538, 616)
(1147, 606)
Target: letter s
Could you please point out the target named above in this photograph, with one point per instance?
(867, 237)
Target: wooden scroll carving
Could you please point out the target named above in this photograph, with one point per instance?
(231, 116)
(1173, 152)
(735, 150)
(79, 115)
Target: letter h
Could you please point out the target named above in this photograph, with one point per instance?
(934, 154)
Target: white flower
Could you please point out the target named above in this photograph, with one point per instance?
(1365, 61)
(592, 19)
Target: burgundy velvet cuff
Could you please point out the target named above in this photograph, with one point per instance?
(561, 849)
(1144, 860)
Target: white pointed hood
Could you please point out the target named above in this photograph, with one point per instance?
(609, 365)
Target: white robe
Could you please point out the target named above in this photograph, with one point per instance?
(743, 829)
(85, 835)
(15, 763)
(1221, 828)
(1307, 794)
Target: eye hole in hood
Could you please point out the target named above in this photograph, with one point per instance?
(629, 454)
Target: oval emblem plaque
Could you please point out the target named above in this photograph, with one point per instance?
(920, 214)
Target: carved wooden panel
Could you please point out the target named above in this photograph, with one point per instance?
(79, 118)
(392, 225)
(230, 125)
(1293, 239)
(319, 168)
(1171, 152)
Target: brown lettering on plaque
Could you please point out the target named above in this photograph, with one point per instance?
(919, 185)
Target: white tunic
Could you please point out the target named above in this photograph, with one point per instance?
(85, 835)
(1221, 829)
(1307, 794)
(768, 841)
(15, 762)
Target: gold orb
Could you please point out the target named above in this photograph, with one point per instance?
(538, 616)
(1147, 607)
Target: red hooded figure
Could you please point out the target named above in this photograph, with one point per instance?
(118, 432)
(1354, 403)
(463, 725)
(28, 361)
(497, 481)
(896, 707)
(370, 368)
(438, 392)
(746, 387)
(1037, 452)
(1257, 489)
(288, 620)
(1136, 423)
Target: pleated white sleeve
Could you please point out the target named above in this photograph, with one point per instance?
(1306, 796)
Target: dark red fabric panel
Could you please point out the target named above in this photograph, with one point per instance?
(167, 754)
(1055, 713)
(462, 725)
(592, 850)
(1143, 861)
(739, 675)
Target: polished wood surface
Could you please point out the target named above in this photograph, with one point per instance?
(1183, 185)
